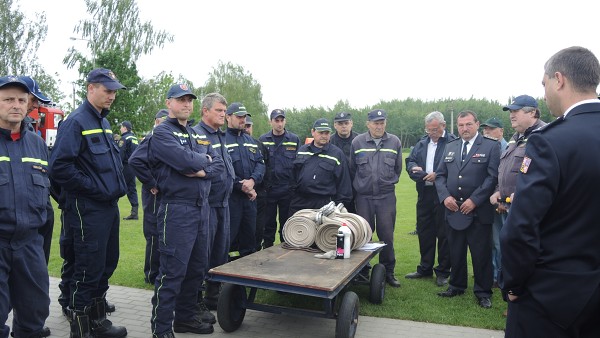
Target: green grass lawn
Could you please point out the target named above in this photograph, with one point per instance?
(415, 300)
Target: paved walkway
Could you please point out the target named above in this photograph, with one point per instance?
(133, 312)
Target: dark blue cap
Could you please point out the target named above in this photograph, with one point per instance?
(237, 109)
(163, 113)
(34, 89)
(179, 90)
(342, 116)
(377, 114)
(105, 77)
(249, 120)
(127, 125)
(11, 79)
(493, 122)
(276, 113)
(520, 102)
(322, 125)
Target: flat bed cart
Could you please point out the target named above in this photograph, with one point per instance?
(299, 272)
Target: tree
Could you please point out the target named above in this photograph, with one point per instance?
(20, 40)
(237, 85)
(116, 23)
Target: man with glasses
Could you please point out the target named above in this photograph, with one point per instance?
(420, 165)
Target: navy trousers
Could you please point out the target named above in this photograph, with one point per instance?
(150, 204)
(183, 243)
(94, 228)
(68, 256)
(242, 213)
(24, 285)
(131, 188)
(273, 206)
(431, 229)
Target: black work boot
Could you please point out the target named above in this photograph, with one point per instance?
(80, 324)
(204, 313)
(211, 295)
(134, 213)
(102, 327)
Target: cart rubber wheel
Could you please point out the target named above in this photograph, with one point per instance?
(347, 319)
(230, 309)
(377, 288)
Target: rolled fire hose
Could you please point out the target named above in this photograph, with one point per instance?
(320, 226)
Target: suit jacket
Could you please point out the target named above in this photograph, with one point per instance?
(418, 158)
(474, 179)
(549, 242)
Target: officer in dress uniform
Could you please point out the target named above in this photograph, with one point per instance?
(550, 256)
(464, 180)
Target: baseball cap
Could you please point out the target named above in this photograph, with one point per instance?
(34, 89)
(520, 102)
(11, 79)
(163, 113)
(322, 125)
(105, 77)
(493, 122)
(276, 113)
(377, 114)
(342, 116)
(237, 109)
(249, 120)
(179, 90)
(127, 125)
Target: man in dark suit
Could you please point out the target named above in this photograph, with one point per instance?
(431, 228)
(549, 243)
(465, 179)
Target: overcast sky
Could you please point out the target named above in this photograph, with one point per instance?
(314, 53)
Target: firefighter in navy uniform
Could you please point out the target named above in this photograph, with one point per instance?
(86, 164)
(24, 195)
(249, 168)
(138, 161)
(128, 143)
(320, 172)
(183, 165)
(281, 146)
(214, 106)
(35, 97)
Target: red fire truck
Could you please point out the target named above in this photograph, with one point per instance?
(45, 122)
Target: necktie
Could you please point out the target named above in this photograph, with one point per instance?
(464, 150)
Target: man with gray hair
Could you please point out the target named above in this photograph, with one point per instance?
(420, 165)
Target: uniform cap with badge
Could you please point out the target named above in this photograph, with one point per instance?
(127, 125)
(105, 77)
(237, 109)
(179, 90)
(322, 125)
(342, 116)
(162, 114)
(377, 114)
(13, 80)
(493, 122)
(521, 101)
(276, 113)
(34, 89)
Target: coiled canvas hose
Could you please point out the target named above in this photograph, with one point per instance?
(320, 226)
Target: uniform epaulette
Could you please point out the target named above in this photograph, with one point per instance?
(490, 138)
(549, 125)
(455, 140)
